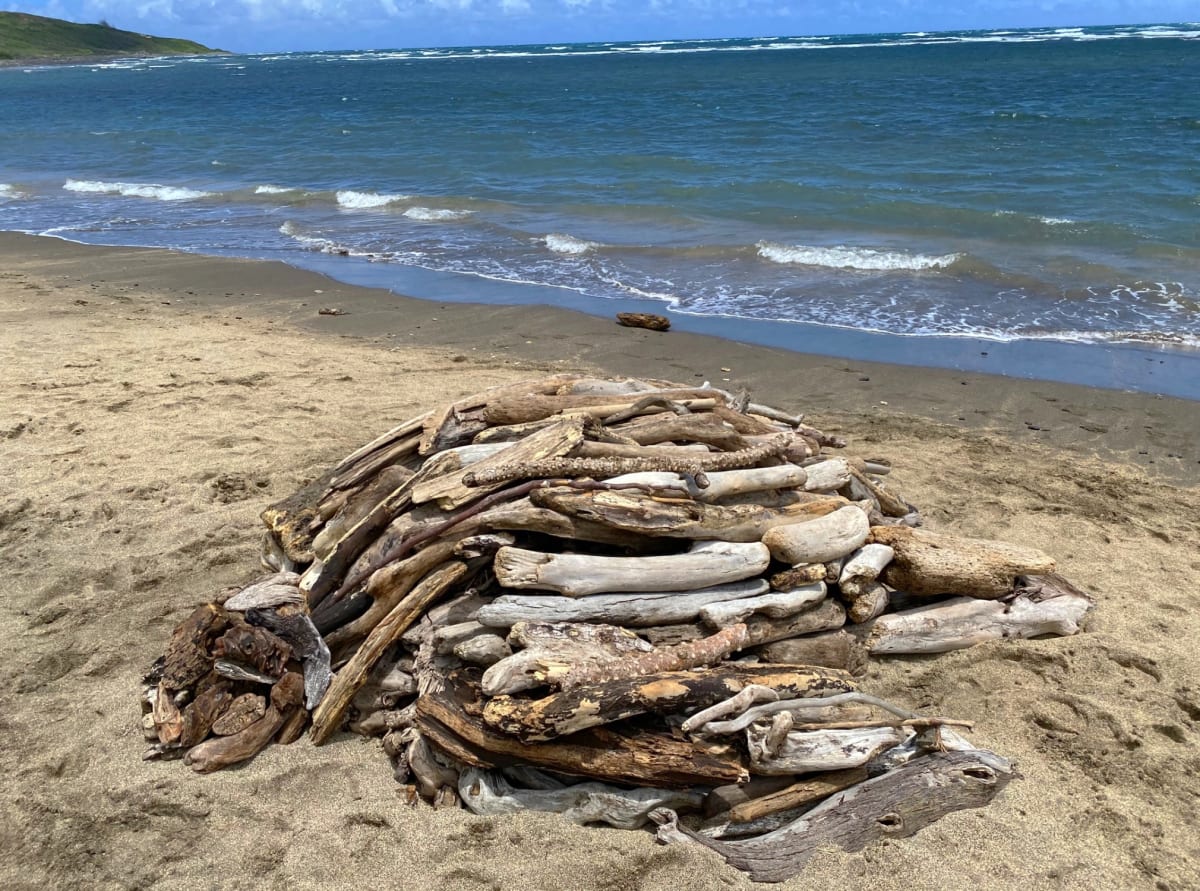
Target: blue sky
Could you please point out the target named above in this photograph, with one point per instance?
(281, 25)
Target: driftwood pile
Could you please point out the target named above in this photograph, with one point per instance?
(619, 601)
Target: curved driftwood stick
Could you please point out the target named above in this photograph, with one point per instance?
(576, 575)
(734, 704)
(895, 805)
(328, 715)
(489, 794)
(748, 717)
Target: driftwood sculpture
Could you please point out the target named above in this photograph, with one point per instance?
(617, 601)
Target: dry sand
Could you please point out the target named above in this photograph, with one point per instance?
(151, 404)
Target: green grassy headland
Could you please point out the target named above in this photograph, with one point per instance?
(26, 37)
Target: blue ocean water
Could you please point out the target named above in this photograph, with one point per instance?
(1011, 185)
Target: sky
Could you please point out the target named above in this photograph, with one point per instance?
(287, 25)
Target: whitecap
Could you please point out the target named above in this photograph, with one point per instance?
(135, 190)
(271, 190)
(9, 192)
(568, 244)
(433, 214)
(842, 257)
(365, 200)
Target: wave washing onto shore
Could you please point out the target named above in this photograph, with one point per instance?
(965, 194)
(136, 190)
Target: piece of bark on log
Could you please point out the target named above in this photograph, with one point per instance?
(214, 695)
(294, 626)
(1047, 605)
(187, 658)
(449, 718)
(328, 715)
(647, 320)
(930, 563)
(682, 657)
(489, 794)
(583, 707)
(240, 714)
(798, 576)
(895, 805)
(255, 647)
(631, 610)
(577, 575)
(821, 540)
(549, 650)
(268, 591)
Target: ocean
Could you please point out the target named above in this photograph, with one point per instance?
(942, 199)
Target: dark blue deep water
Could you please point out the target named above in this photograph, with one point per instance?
(1014, 186)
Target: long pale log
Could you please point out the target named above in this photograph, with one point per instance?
(931, 563)
(820, 540)
(631, 610)
(641, 514)
(448, 718)
(895, 805)
(489, 794)
(724, 483)
(580, 708)
(328, 715)
(522, 516)
(776, 605)
(818, 750)
(702, 428)
(964, 622)
(577, 575)
(828, 475)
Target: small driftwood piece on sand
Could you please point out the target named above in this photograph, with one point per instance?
(643, 320)
(633, 583)
(576, 575)
(895, 805)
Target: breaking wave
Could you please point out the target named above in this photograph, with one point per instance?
(841, 257)
(135, 190)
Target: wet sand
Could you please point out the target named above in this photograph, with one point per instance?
(152, 403)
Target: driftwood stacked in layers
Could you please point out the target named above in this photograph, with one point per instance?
(619, 601)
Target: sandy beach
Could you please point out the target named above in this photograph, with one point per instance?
(152, 403)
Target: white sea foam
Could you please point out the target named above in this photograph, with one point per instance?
(311, 242)
(842, 257)
(135, 190)
(271, 190)
(365, 200)
(568, 244)
(433, 214)
(8, 192)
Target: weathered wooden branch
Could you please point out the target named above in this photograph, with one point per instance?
(684, 656)
(187, 658)
(448, 718)
(576, 575)
(833, 649)
(551, 649)
(570, 711)
(356, 506)
(489, 794)
(776, 605)
(328, 715)
(286, 696)
(807, 791)
(895, 805)
(273, 590)
(817, 750)
(520, 409)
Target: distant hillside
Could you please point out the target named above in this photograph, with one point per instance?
(26, 37)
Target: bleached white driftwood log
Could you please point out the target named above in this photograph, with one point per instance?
(632, 610)
(723, 483)
(551, 649)
(489, 794)
(575, 575)
(862, 568)
(274, 590)
(827, 476)
(964, 622)
(776, 605)
(814, 750)
(822, 540)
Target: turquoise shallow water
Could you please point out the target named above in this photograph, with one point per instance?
(1014, 186)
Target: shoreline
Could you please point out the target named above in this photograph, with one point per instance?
(154, 403)
(55, 61)
(1160, 433)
